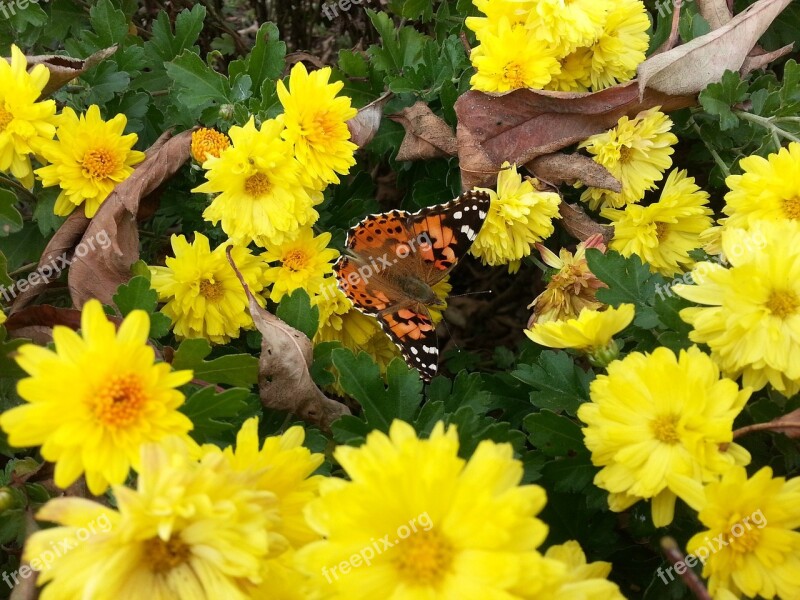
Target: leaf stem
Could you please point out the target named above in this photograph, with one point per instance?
(714, 154)
(767, 123)
(19, 187)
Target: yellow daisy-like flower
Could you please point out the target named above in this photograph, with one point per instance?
(655, 417)
(261, 198)
(510, 59)
(204, 298)
(316, 123)
(637, 152)
(515, 11)
(769, 189)
(305, 262)
(24, 122)
(208, 142)
(752, 544)
(751, 317)
(432, 508)
(95, 400)
(581, 580)
(568, 24)
(89, 159)
(192, 529)
(575, 75)
(663, 233)
(519, 216)
(621, 47)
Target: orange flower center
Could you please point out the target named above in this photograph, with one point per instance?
(5, 116)
(99, 163)
(783, 304)
(212, 290)
(295, 260)
(165, 556)
(120, 401)
(662, 229)
(791, 208)
(513, 75)
(665, 429)
(257, 185)
(208, 142)
(424, 557)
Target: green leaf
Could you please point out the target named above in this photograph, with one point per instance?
(10, 219)
(105, 81)
(239, 370)
(163, 45)
(401, 48)
(413, 9)
(137, 294)
(718, 98)
(553, 434)
(296, 311)
(8, 366)
(266, 60)
(109, 25)
(197, 85)
(5, 280)
(209, 410)
(558, 383)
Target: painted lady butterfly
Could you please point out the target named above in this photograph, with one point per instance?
(396, 258)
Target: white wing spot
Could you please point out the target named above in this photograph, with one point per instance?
(414, 351)
(458, 215)
(482, 214)
(469, 231)
(429, 349)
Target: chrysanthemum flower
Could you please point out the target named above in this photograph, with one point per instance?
(575, 74)
(769, 189)
(24, 122)
(622, 45)
(305, 262)
(510, 59)
(515, 11)
(203, 296)
(751, 317)
(663, 233)
(519, 216)
(208, 142)
(572, 288)
(580, 580)
(656, 416)
(192, 529)
(433, 508)
(751, 546)
(261, 198)
(89, 159)
(95, 400)
(637, 152)
(316, 124)
(568, 24)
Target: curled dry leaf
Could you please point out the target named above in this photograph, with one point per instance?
(759, 60)
(64, 69)
(561, 168)
(580, 225)
(36, 322)
(524, 124)
(788, 424)
(427, 135)
(689, 68)
(284, 382)
(365, 124)
(716, 12)
(98, 273)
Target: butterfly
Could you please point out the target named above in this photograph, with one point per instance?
(393, 260)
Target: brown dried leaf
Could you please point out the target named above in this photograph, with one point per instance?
(788, 424)
(524, 124)
(284, 382)
(689, 68)
(365, 124)
(427, 135)
(37, 322)
(98, 274)
(561, 168)
(759, 60)
(580, 225)
(64, 69)
(715, 12)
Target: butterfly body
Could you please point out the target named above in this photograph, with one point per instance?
(394, 261)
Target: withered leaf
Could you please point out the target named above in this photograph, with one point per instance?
(365, 124)
(64, 69)
(580, 225)
(759, 60)
(37, 322)
(427, 135)
(715, 12)
(98, 273)
(284, 382)
(788, 424)
(561, 168)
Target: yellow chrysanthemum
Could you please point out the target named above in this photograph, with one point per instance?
(432, 508)
(2, 316)
(752, 544)
(663, 233)
(203, 296)
(581, 580)
(510, 58)
(261, 194)
(568, 24)
(655, 417)
(95, 400)
(515, 11)
(89, 159)
(572, 288)
(751, 317)
(519, 216)
(24, 122)
(305, 262)
(316, 124)
(208, 142)
(192, 529)
(575, 74)
(637, 152)
(769, 189)
(621, 47)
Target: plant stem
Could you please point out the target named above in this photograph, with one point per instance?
(766, 123)
(19, 187)
(714, 154)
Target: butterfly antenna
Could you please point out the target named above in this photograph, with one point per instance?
(470, 294)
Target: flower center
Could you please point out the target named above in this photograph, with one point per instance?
(257, 185)
(665, 429)
(741, 536)
(120, 401)
(99, 163)
(165, 556)
(662, 229)
(5, 116)
(212, 290)
(424, 558)
(783, 304)
(625, 154)
(791, 207)
(296, 260)
(512, 73)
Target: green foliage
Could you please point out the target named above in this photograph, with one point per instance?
(232, 369)
(217, 414)
(137, 295)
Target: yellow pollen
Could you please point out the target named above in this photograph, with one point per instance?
(624, 154)
(423, 558)
(791, 207)
(257, 185)
(165, 556)
(664, 429)
(783, 304)
(296, 260)
(662, 229)
(120, 401)
(5, 117)
(512, 73)
(208, 142)
(212, 290)
(99, 163)
(741, 535)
